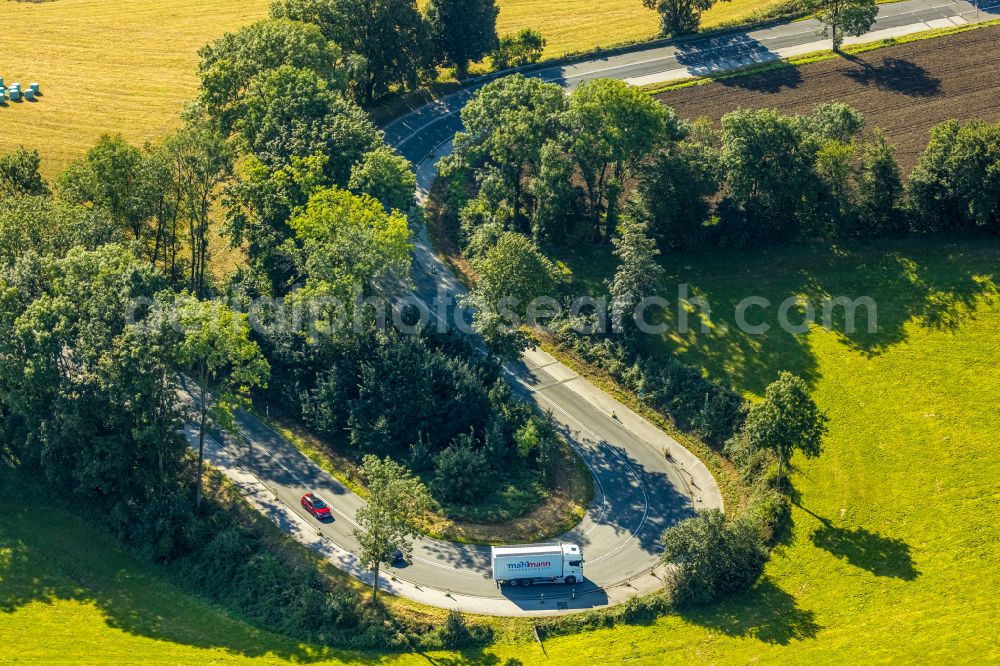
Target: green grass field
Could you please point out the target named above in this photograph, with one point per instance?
(893, 553)
(67, 593)
(129, 66)
(106, 66)
(894, 550)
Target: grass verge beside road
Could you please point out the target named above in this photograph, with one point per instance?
(809, 58)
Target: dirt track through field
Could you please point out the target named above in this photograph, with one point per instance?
(904, 89)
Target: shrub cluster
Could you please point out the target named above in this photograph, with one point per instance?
(713, 557)
(391, 394)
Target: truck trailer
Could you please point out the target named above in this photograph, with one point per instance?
(537, 563)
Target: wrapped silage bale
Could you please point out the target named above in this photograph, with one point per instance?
(15, 93)
(29, 95)
(35, 90)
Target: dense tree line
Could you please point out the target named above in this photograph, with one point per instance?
(93, 346)
(364, 48)
(544, 163)
(109, 315)
(430, 402)
(567, 171)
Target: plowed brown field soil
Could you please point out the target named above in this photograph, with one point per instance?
(904, 89)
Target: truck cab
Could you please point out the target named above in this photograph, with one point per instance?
(537, 563)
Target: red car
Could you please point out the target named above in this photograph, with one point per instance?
(316, 506)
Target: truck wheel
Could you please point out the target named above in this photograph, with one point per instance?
(526, 582)
(514, 583)
(570, 580)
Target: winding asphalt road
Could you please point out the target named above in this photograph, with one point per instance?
(639, 490)
(418, 134)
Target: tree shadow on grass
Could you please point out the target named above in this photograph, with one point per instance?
(881, 555)
(933, 284)
(470, 658)
(55, 558)
(766, 613)
(935, 291)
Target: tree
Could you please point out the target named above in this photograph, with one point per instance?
(523, 48)
(506, 125)
(405, 391)
(387, 176)
(294, 113)
(835, 169)
(20, 174)
(230, 64)
(833, 121)
(880, 190)
(215, 350)
(956, 183)
(88, 397)
(163, 198)
(514, 270)
(768, 163)
(712, 558)
(259, 204)
(200, 162)
(512, 274)
(463, 31)
(538, 441)
(49, 227)
(344, 242)
(389, 36)
(638, 276)
(461, 472)
(786, 420)
(673, 193)
(556, 198)
(843, 17)
(387, 522)
(679, 17)
(611, 127)
(111, 177)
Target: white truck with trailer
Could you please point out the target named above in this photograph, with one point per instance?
(537, 563)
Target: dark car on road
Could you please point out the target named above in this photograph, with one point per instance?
(316, 506)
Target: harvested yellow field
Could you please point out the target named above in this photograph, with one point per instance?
(129, 66)
(571, 26)
(105, 66)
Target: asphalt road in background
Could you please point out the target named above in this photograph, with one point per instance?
(418, 134)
